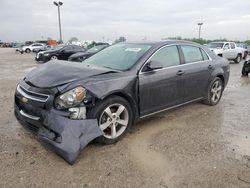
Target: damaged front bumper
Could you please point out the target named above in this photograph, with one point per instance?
(68, 137)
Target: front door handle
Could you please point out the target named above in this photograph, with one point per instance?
(180, 72)
(210, 67)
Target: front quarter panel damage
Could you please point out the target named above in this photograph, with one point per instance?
(103, 86)
(74, 135)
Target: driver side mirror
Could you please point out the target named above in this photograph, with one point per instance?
(226, 48)
(153, 65)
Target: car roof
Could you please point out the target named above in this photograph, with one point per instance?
(163, 42)
(72, 45)
(222, 42)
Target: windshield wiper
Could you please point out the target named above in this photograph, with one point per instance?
(111, 68)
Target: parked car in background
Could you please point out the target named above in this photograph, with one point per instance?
(5, 45)
(19, 48)
(81, 56)
(45, 48)
(60, 52)
(246, 68)
(32, 47)
(248, 50)
(227, 50)
(243, 47)
(68, 104)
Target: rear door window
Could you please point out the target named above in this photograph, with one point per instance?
(205, 57)
(191, 54)
(36, 45)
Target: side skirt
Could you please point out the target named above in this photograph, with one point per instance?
(172, 107)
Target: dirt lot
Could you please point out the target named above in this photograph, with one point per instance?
(192, 146)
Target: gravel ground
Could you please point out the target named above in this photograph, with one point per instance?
(192, 146)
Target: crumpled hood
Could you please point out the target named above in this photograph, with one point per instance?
(56, 73)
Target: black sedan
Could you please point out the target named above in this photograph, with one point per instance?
(69, 104)
(61, 52)
(81, 56)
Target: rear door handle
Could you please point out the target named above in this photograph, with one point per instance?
(210, 66)
(180, 72)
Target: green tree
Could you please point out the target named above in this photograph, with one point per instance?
(73, 39)
(120, 39)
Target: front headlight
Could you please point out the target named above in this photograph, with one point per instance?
(71, 98)
(46, 54)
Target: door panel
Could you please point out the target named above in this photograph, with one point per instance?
(197, 72)
(195, 79)
(228, 53)
(66, 52)
(160, 89)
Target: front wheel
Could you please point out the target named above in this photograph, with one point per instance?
(114, 116)
(53, 57)
(215, 91)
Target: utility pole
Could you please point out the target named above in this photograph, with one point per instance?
(200, 24)
(58, 4)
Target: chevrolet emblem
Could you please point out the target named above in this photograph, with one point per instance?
(24, 99)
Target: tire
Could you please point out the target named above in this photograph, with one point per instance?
(245, 55)
(53, 57)
(111, 124)
(245, 70)
(214, 92)
(244, 73)
(237, 59)
(27, 50)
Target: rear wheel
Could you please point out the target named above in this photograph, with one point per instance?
(238, 59)
(114, 116)
(27, 50)
(245, 55)
(214, 92)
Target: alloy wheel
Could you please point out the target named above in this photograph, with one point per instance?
(53, 57)
(114, 121)
(216, 91)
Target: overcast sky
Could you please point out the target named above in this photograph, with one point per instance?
(22, 20)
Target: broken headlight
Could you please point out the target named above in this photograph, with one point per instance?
(70, 98)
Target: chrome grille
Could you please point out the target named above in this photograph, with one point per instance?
(32, 95)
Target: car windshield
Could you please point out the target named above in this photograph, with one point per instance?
(215, 45)
(119, 57)
(58, 47)
(96, 48)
